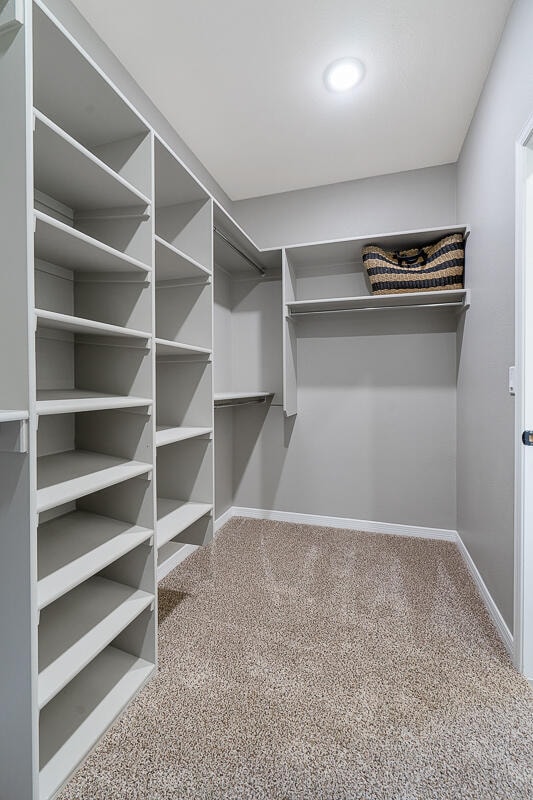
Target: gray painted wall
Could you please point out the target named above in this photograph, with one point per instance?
(422, 198)
(374, 437)
(486, 187)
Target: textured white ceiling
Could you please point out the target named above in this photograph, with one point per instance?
(241, 81)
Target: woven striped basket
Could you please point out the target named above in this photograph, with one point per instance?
(425, 269)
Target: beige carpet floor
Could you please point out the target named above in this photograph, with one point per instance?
(308, 663)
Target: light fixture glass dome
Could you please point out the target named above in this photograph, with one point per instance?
(344, 74)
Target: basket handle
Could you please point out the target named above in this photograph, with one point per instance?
(409, 260)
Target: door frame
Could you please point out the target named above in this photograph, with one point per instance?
(523, 549)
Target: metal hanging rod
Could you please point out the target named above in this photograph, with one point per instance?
(294, 314)
(238, 250)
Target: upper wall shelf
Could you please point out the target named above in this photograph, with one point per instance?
(71, 174)
(348, 251)
(458, 298)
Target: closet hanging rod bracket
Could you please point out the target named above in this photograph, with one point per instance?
(238, 250)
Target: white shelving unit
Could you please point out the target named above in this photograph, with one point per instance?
(183, 247)
(328, 278)
(78, 551)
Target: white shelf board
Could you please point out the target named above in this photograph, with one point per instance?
(71, 89)
(453, 297)
(13, 416)
(166, 347)
(74, 629)
(63, 477)
(174, 264)
(67, 322)
(72, 548)
(68, 172)
(175, 516)
(67, 247)
(73, 722)
(174, 183)
(73, 401)
(346, 251)
(240, 398)
(171, 554)
(166, 434)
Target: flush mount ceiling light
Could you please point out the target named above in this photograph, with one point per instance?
(344, 74)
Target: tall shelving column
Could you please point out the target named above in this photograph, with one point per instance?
(77, 504)
(18, 619)
(184, 373)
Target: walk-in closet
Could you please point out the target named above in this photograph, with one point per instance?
(259, 525)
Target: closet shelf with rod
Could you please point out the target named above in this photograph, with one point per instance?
(455, 298)
(225, 399)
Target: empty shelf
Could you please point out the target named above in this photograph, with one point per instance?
(76, 546)
(448, 297)
(73, 722)
(74, 629)
(166, 434)
(66, 322)
(173, 264)
(68, 172)
(67, 247)
(13, 416)
(76, 400)
(240, 398)
(172, 554)
(175, 516)
(63, 477)
(165, 347)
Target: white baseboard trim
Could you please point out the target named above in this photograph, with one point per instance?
(347, 523)
(494, 613)
(370, 526)
(225, 517)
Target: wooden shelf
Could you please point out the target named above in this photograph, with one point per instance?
(76, 546)
(73, 401)
(222, 399)
(165, 347)
(73, 722)
(76, 628)
(175, 516)
(172, 554)
(63, 477)
(174, 264)
(166, 434)
(67, 322)
(68, 172)
(458, 298)
(67, 247)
